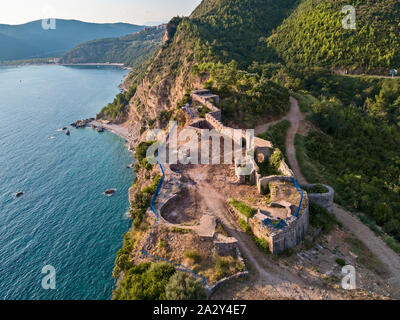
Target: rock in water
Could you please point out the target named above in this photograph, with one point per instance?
(68, 133)
(110, 192)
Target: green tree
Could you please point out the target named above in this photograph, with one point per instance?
(182, 286)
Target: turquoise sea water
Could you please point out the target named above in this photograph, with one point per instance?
(63, 219)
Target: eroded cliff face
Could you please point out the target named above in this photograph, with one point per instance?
(167, 79)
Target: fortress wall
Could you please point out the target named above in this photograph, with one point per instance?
(292, 235)
(285, 170)
(324, 200)
(263, 182)
(294, 232)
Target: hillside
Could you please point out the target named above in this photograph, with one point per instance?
(214, 47)
(313, 35)
(132, 50)
(202, 51)
(30, 40)
(251, 53)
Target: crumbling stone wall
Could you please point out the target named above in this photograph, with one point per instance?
(324, 200)
(292, 235)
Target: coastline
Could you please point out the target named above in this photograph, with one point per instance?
(23, 63)
(87, 225)
(117, 129)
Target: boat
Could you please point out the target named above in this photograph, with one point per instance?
(18, 194)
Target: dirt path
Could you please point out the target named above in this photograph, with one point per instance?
(278, 283)
(374, 243)
(294, 117)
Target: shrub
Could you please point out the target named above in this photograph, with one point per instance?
(146, 281)
(180, 230)
(182, 286)
(141, 150)
(393, 227)
(319, 188)
(193, 255)
(203, 111)
(277, 134)
(340, 262)
(245, 226)
(183, 101)
(162, 243)
(153, 187)
(243, 208)
(276, 159)
(220, 229)
(262, 244)
(393, 244)
(382, 212)
(321, 218)
(222, 266)
(371, 223)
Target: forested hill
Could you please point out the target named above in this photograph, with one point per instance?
(215, 47)
(313, 35)
(237, 29)
(132, 50)
(30, 40)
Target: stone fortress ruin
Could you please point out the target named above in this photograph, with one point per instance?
(283, 222)
(197, 198)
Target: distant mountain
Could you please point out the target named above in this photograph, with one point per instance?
(132, 50)
(30, 40)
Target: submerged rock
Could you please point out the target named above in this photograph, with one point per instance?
(110, 192)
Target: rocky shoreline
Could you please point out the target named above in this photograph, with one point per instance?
(102, 125)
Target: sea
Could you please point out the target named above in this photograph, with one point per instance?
(59, 240)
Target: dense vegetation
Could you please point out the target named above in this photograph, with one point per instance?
(320, 218)
(225, 46)
(131, 50)
(243, 208)
(118, 109)
(358, 149)
(237, 29)
(277, 135)
(158, 281)
(245, 96)
(313, 36)
(218, 44)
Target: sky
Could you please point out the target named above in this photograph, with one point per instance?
(102, 11)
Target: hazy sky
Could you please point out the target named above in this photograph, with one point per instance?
(131, 11)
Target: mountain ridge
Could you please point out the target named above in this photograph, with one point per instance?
(30, 40)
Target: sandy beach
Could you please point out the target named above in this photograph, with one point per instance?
(120, 130)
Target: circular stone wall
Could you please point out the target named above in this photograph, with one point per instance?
(324, 200)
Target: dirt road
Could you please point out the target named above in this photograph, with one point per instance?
(362, 232)
(294, 117)
(271, 280)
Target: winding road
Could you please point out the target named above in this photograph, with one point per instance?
(362, 232)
